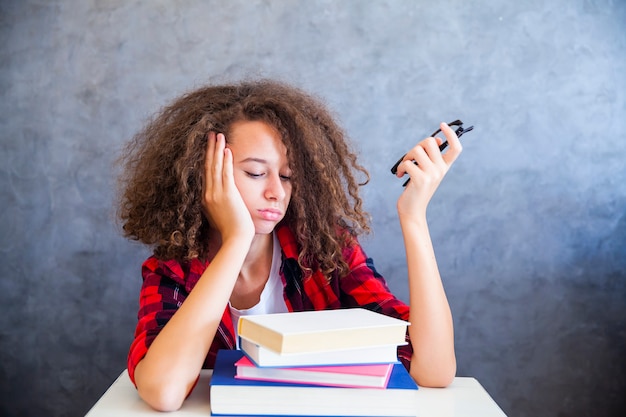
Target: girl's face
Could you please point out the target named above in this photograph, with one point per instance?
(261, 172)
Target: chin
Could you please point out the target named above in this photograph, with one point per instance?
(264, 229)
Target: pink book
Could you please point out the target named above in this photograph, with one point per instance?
(354, 376)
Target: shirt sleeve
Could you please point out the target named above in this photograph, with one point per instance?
(162, 293)
(364, 287)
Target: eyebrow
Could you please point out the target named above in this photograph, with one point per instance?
(253, 159)
(260, 161)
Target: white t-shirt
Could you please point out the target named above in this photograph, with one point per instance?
(272, 300)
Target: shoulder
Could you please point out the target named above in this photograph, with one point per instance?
(185, 273)
(353, 252)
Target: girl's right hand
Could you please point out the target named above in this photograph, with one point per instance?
(222, 202)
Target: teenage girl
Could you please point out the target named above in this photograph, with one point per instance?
(249, 196)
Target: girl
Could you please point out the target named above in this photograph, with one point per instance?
(248, 194)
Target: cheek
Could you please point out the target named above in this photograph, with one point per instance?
(245, 188)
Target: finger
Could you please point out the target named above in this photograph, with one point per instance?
(454, 144)
(431, 147)
(415, 159)
(424, 152)
(208, 160)
(228, 177)
(218, 160)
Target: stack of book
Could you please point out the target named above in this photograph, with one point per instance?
(315, 363)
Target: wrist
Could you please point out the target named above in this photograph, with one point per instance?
(409, 220)
(239, 239)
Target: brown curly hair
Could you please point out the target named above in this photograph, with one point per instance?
(163, 169)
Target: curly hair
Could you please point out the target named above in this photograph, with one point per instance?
(163, 167)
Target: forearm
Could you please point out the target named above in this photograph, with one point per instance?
(431, 330)
(172, 364)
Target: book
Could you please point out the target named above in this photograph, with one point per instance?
(355, 376)
(361, 355)
(324, 330)
(232, 396)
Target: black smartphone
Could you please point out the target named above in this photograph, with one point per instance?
(460, 130)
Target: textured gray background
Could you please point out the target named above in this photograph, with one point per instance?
(529, 226)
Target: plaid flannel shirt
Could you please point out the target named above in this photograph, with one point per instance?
(166, 285)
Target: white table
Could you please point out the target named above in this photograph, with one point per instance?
(463, 398)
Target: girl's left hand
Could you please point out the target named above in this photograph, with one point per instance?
(426, 166)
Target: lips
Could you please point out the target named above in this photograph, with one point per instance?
(270, 214)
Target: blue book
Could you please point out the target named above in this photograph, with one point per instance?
(241, 397)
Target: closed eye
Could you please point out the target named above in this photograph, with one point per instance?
(255, 175)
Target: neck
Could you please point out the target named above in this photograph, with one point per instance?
(254, 273)
(260, 252)
(258, 258)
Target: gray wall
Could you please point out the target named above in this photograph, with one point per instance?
(529, 226)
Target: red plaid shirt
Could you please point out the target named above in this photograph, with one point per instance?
(166, 285)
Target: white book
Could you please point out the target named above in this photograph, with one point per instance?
(362, 355)
(324, 330)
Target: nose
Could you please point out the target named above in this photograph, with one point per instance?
(275, 188)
